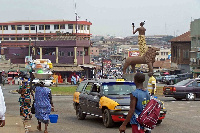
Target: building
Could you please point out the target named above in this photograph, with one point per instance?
(180, 52)
(61, 41)
(195, 47)
(163, 54)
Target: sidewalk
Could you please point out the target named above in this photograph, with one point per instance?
(13, 125)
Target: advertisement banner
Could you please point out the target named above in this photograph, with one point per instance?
(134, 53)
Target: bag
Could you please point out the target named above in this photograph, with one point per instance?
(33, 108)
(150, 114)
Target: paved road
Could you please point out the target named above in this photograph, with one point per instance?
(182, 117)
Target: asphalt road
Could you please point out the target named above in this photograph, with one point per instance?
(182, 116)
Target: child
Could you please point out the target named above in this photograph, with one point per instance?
(138, 100)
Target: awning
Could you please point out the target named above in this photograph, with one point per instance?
(67, 69)
(196, 71)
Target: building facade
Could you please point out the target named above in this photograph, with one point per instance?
(180, 52)
(195, 47)
(65, 42)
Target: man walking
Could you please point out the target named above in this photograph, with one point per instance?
(151, 84)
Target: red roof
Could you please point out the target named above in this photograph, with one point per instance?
(182, 38)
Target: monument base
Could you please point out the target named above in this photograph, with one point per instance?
(130, 77)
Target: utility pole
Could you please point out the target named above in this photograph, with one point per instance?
(29, 47)
(102, 67)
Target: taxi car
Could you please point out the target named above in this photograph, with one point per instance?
(105, 98)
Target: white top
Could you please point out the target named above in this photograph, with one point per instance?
(2, 106)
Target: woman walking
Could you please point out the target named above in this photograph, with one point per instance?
(43, 105)
(25, 98)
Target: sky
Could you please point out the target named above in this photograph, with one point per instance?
(109, 17)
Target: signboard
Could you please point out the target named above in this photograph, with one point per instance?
(134, 53)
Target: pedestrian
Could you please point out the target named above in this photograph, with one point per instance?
(2, 109)
(3, 79)
(151, 84)
(43, 105)
(72, 80)
(138, 100)
(25, 98)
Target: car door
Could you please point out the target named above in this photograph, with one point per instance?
(197, 88)
(94, 98)
(84, 96)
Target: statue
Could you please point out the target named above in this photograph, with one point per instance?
(141, 38)
(147, 58)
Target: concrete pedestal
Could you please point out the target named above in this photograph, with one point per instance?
(130, 77)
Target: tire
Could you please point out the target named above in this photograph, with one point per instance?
(158, 122)
(107, 119)
(79, 113)
(190, 97)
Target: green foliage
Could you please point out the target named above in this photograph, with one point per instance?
(68, 90)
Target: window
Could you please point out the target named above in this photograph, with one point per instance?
(70, 26)
(86, 51)
(186, 54)
(13, 27)
(77, 53)
(96, 50)
(79, 27)
(81, 53)
(5, 27)
(161, 53)
(0, 38)
(26, 27)
(56, 27)
(61, 53)
(19, 27)
(47, 27)
(40, 37)
(19, 38)
(32, 27)
(62, 26)
(48, 51)
(12, 37)
(41, 27)
(70, 53)
(88, 27)
(6, 38)
(0, 27)
(26, 37)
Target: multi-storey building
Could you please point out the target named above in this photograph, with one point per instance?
(163, 54)
(195, 47)
(56, 40)
(41, 30)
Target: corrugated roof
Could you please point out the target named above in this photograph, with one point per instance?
(182, 38)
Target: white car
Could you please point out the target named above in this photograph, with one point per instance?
(47, 82)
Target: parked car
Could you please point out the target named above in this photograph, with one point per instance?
(188, 89)
(159, 79)
(106, 98)
(170, 79)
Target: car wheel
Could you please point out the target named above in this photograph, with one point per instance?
(107, 119)
(158, 122)
(79, 113)
(190, 96)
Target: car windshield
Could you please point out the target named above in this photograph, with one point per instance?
(118, 88)
(182, 83)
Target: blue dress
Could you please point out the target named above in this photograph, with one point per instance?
(42, 104)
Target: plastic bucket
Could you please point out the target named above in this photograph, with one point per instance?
(53, 118)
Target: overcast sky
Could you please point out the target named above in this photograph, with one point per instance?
(113, 17)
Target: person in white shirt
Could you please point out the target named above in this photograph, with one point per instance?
(2, 109)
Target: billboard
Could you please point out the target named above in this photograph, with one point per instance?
(134, 53)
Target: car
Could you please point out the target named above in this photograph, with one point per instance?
(188, 89)
(170, 79)
(159, 79)
(106, 98)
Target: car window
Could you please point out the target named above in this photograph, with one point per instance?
(81, 87)
(183, 83)
(194, 84)
(198, 83)
(88, 87)
(117, 88)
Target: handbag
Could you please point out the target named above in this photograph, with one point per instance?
(33, 108)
